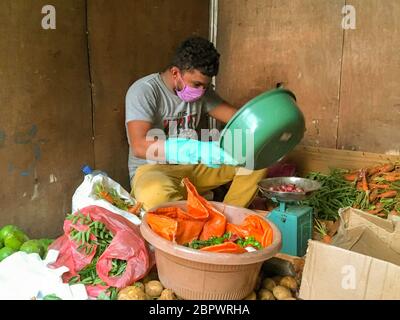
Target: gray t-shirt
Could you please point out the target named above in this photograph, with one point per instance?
(149, 99)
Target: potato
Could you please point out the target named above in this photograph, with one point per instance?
(251, 296)
(290, 299)
(265, 294)
(132, 293)
(281, 293)
(269, 284)
(153, 288)
(139, 285)
(289, 282)
(150, 277)
(167, 294)
(277, 279)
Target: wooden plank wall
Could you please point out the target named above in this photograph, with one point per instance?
(346, 81)
(128, 40)
(45, 126)
(370, 90)
(308, 159)
(46, 108)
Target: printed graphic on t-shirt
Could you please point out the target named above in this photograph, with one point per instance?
(180, 124)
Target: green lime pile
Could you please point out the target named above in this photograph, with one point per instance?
(13, 239)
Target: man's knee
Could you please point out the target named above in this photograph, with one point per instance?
(156, 188)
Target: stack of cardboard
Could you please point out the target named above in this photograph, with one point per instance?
(363, 261)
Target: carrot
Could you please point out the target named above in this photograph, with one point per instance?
(373, 195)
(364, 180)
(388, 194)
(373, 171)
(386, 167)
(351, 176)
(378, 208)
(106, 196)
(381, 169)
(323, 231)
(327, 239)
(378, 186)
(136, 208)
(375, 211)
(392, 177)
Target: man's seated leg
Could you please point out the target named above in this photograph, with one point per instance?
(154, 185)
(206, 178)
(244, 187)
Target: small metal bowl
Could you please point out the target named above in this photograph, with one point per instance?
(309, 186)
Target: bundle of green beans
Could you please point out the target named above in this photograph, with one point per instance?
(334, 194)
(88, 275)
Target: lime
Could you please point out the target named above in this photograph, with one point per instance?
(33, 246)
(15, 239)
(1, 244)
(5, 252)
(46, 242)
(7, 230)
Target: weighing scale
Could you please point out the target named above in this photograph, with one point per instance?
(295, 221)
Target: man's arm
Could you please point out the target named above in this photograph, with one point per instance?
(223, 112)
(179, 151)
(137, 131)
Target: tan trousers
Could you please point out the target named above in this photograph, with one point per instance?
(155, 184)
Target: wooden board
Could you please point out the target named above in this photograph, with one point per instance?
(370, 95)
(128, 40)
(45, 122)
(309, 159)
(297, 43)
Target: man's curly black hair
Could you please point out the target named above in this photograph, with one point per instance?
(197, 53)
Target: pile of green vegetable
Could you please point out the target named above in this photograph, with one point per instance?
(374, 190)
(13, 239)
(228, 236)
(88, 275)
(335, 193)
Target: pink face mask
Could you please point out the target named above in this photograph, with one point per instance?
(189, 94)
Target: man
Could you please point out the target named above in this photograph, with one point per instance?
(174, 102)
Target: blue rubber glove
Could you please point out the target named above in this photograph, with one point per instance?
(190, 151)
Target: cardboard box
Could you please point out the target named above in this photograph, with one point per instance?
(363, 262)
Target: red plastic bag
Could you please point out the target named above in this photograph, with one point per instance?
(175, 224)
(216, 221)
(201, 221)
(127, 244)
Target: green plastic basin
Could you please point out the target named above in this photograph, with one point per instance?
(264, 130)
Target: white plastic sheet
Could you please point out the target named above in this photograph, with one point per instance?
(26, 276)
